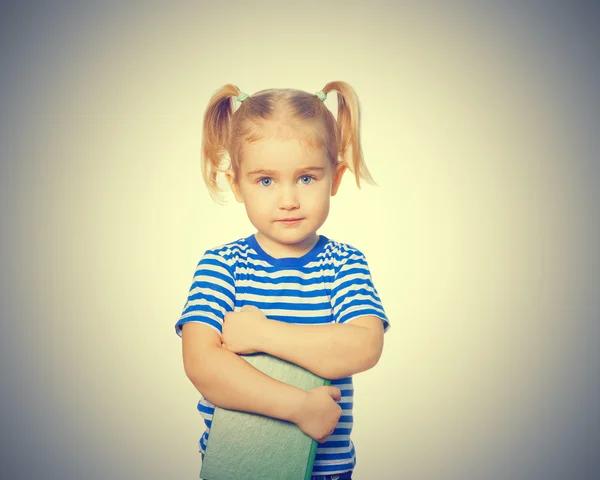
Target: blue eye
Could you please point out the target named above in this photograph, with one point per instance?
(306, 179)
(265, 182)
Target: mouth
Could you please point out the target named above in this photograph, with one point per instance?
(290, 220)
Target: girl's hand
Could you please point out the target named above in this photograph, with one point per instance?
(319, 413)
(242, 330)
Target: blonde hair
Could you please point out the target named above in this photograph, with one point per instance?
(280, 112)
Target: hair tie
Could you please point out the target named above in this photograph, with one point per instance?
(241, 97)
(322, 95)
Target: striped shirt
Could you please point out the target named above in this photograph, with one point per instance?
(329, 284)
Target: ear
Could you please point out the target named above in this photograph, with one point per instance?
(233, 185)
(337, 178)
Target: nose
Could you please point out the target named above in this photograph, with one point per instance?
(288, 198)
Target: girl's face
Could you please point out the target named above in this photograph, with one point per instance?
(286, 189)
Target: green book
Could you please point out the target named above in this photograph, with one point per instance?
(248, 446)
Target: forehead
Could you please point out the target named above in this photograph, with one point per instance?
(282, 155)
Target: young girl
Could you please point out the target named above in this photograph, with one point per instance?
(284, 290)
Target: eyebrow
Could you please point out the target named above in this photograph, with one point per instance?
(273, 173)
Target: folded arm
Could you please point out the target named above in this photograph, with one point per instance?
(332, 351)
(228, 381)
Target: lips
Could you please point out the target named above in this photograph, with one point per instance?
(290, 220)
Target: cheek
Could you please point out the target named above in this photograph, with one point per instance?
(325, 205)
(255, 215)
(317, 199)
(256, 201)
(321, 192)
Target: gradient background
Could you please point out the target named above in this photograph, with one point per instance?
(480, 124)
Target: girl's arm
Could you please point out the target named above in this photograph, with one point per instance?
(228, 381)
(331, 351)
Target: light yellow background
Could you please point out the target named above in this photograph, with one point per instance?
(477, 124)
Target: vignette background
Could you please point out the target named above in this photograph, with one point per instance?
(479, 122)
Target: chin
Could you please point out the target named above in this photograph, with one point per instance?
(291, 238)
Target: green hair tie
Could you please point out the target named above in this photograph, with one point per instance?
(242, 96)
(321, 95)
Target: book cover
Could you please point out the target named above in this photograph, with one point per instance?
(248, 446)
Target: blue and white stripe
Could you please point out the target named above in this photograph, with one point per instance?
(330, 284)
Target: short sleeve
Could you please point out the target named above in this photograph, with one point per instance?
(211, 295)
(353, 293)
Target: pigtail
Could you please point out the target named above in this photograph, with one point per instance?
(348, 119)
(215, 138)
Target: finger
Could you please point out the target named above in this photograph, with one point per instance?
(335, 393)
